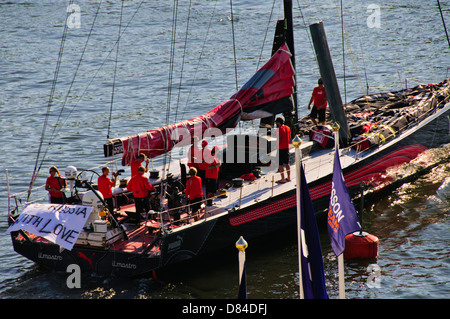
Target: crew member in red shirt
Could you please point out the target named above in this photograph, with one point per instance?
(284, 134)
(54, 186)
(194, 154)
(212, 174)
(194, 192)
(105, 185)
(135, 164)
(141, 188)
(319, 97)
(201, 167)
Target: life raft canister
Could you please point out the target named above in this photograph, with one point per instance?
(361, 245)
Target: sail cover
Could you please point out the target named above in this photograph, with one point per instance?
(267, 93)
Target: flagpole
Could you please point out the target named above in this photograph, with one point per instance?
(298, 161)
(341, 276)
(241, 246)
(341, 256)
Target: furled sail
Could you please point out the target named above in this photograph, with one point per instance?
(267, 93)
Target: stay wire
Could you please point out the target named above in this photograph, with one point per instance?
(234, 45)
(200, 57)
(182, 71)
(104, 61)
(183, 59)
(343, 51)
(70, 87)
(306, 30)
(169, 91)
(49, 105)
(443, 22)
(115, 71)
(265, 35)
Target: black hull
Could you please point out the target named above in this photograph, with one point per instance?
(95, 261)
(260, 219)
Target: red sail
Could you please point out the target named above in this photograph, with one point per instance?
(273, 82)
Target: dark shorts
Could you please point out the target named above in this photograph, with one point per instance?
(211, 185)
(195, 204)
(142, 206)
(56, 200)
(321, 113)
(283, 156)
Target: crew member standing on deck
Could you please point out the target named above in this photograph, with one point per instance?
(201, 167)
(194, 154)
(54, 185)
(194, 192)
(135, 164)
(284, 134)
(212, 174)
(141, 188)
(319, 97)
(105, 185)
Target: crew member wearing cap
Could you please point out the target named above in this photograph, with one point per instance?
(135, 164)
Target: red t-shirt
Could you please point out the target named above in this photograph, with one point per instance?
(104, 186)
(211, 171)
(194, 187)
(284, 132)
(134, 167)
(194, 151)
(54, 183)
(140, 186)
(319, 96)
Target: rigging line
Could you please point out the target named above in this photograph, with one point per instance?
(361, 53)
(172, 57)
(182, 71)
(200, 56)
(306, 30)
(73, 81)
(52, 137)
(265, 35)
(184, 56)
(234, 44)
(49, 104)
(103, 63)
(351, 53)
(443, 22)
(343, 51)
(169, 89)
(115, 71)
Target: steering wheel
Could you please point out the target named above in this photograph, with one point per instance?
(89, 174)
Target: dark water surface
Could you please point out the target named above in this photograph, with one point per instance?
(408, 48)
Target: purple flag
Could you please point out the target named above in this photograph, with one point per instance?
(342, 217)
(313, 273)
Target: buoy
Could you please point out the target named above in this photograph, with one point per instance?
(361, 245)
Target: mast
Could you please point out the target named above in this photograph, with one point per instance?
(290, 44)
(284, 33)
(329, 80)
